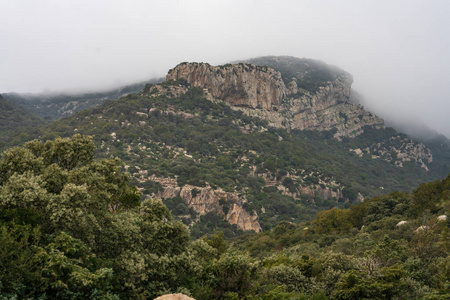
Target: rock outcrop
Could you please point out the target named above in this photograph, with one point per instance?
(178, 296)
(312, 97)
(261, 92)
(244, 85)
(243, 219)
(325, 189)
(398, 150)
(206, 199)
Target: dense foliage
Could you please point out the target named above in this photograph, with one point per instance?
(71, 227)
(391, 247)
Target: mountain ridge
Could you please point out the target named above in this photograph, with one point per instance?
(56, 105)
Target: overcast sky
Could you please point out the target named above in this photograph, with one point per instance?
(397, 51)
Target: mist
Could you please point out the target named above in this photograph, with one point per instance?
(397, 51)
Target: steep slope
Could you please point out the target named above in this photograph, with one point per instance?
(304, 94)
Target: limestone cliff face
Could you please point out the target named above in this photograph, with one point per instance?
(243, 219)
(260, 91)
(244, 85)
(206, 199)
(327, 109)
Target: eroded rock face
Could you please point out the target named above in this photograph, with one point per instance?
(325, 110)
(243, 219)
(260, 91)
(206, 199)
(244, 85)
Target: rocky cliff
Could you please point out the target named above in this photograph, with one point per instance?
(260, 91)
(243, 85)
(294, 94)
(207, 199)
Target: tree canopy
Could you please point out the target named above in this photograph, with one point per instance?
(72, 227)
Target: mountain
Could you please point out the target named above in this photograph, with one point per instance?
(245, 146)
(288, 102)
(54, 106)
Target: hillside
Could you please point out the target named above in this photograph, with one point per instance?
(391, 247)
(233, 148)
(16, 123)
(71, 227)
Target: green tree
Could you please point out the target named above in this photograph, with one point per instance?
(71, 227)
(331, 220)
(232, 273)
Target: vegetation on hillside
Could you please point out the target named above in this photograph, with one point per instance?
(172, 131)
(16, 124)
(223, 144)
(395, 246)
(200, 142)
(71, 227)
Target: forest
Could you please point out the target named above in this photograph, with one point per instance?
(72, 227)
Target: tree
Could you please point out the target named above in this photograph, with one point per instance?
(232, 273)
(331, 220)
(72, 227)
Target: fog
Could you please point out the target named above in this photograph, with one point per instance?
(397, 51)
